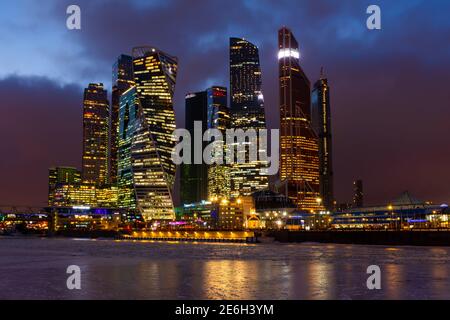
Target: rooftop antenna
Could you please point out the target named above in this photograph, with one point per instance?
(322, 73)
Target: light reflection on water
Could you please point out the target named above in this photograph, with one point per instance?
(154, 270)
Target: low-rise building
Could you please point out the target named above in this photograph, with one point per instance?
(405, 212)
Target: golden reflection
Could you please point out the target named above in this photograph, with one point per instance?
(230, 279)
(394, 276)
(320, 280)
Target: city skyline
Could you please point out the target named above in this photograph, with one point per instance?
(374, 189)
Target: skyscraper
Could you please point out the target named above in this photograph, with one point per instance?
(194, 177)
(146, 172)
(299, 150)
(218, 117)
(122, 80)
(95, 135)
(321, 122)
(247, 112)
(358, 194)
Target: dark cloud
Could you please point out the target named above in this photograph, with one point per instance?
(40, 127)
(389, 96)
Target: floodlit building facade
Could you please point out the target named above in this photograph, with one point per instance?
(299, 150)
(146, 172)
(218, 117)
(95, 135)
(61, 176)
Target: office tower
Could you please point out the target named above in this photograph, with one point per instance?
(299, 150)
(122, 80)
(358, 194)
(146, 172)
(321, 123)
(194, 177)
(247, 112)
(61, 176)
(95, 135)
(218, 117)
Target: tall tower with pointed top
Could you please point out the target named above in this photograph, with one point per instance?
(299, 150)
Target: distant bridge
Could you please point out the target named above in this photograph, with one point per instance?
(22, 213)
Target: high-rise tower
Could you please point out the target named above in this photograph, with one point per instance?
(146, 172)
(299, 150)
(122, 80)
(321, 123)
(194, 177)
(218, 117)
(95, 135)
(247, 112)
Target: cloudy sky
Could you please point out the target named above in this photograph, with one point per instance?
(390, 88)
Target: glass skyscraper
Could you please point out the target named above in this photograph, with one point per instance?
(321, 122)
(95, 135)
(122, 80)
(146, 173)
(203, 181)
(219, 184)
(247, 112)
(299, 150)
(194, 177)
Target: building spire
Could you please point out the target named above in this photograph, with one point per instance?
(322, 73)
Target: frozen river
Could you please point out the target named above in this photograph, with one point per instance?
(33, 268)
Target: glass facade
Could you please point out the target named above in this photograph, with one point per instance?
(67, 195)
(95, 135)
(299, 150)
(146, 173)
(61, 176)
(194, 177)
(247, 112)
(122, 80)
(321, 122)
(218, 118)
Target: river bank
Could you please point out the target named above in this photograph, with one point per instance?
(396, 238)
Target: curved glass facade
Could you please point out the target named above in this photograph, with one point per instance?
(146, 173)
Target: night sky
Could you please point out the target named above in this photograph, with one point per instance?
(390, 89)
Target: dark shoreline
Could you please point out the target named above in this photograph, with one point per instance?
(398, 238)
(395, 238)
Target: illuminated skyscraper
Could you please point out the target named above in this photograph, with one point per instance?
(122, 80)
(247, 112)
(203, 181)
(299, 150)
(194, 177)
(219, 184)
(95, 135)
(321, 122)
(146, 172)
